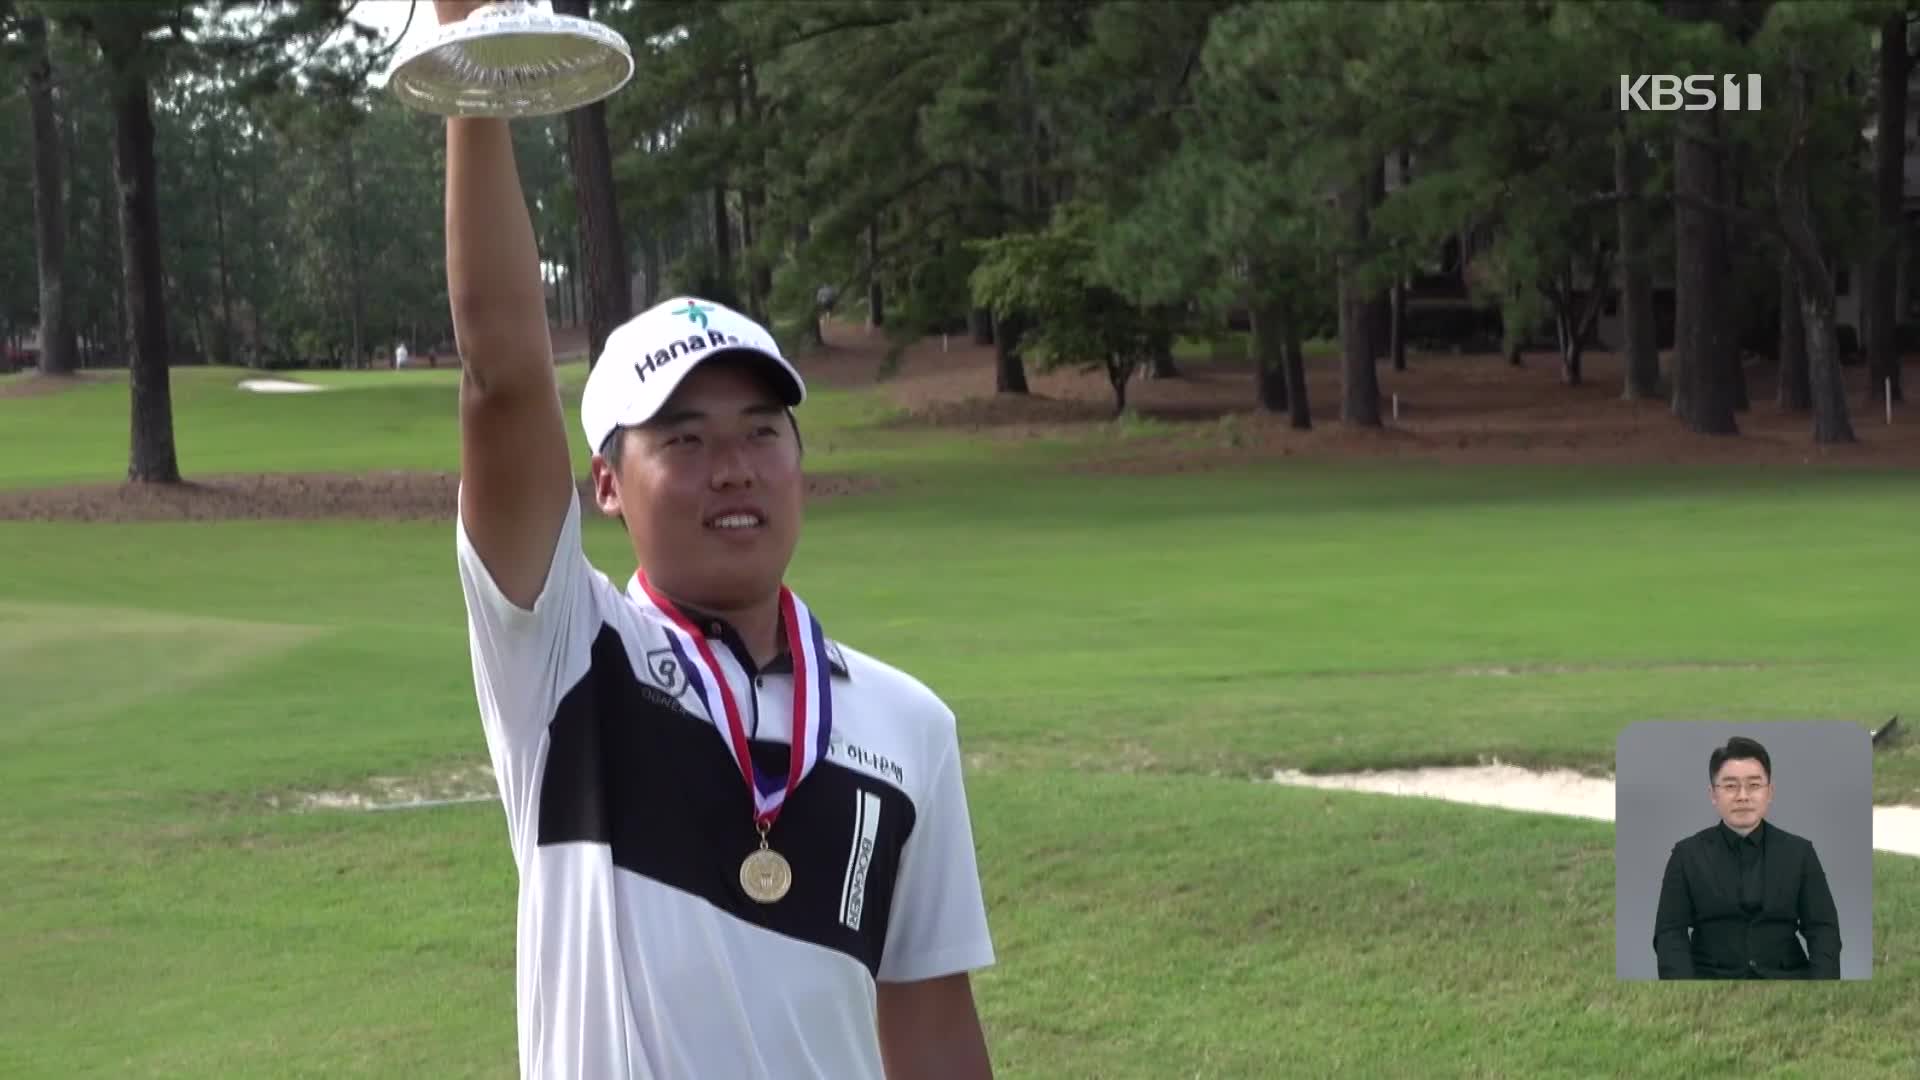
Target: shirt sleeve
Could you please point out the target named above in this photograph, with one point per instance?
(938, 925)
(1672, 947)
(1819, 921)
(525, 660)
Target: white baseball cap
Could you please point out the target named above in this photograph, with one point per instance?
(647, 356)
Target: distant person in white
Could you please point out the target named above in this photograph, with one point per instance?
(744, 847)
(399, 356)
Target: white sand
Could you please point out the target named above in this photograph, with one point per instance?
(1556, 791)
(452, 787)
(278, 386)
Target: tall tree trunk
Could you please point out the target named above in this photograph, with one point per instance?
(82, 315)
(1379, 305)
(1577, 320)
(1160, 364)
(223, 343)
(201, 346)
(1640, 341)
(152, 458)
(577, 281)
(758, 281)
(1300, 416)
(980, 326)
(1359, 382)
(1830, 421)
(1009, 374)
(1702, 398)
(1266, 318)
(650, 262)
(1741, 23)
(722, 248)
(1795, 392)
(1119, 370)
(1734, 307)
(1880, 310)
(356, 275)
(112, 268)
(1570, 352)
(253, 282)
(1397, 323)
(609, 293)
(876, 307)
(1513, 332)
(760, 272)
(49, 207)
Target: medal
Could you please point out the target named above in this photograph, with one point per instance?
(765, 874)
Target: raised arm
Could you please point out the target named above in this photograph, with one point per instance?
(515, 474)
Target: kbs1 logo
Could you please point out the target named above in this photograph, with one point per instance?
(1694, 93)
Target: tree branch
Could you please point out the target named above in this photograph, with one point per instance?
(867, 23)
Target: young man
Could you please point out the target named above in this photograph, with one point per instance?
(1744, 887)
(744, 848)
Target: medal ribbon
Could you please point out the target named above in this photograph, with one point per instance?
(812, 695)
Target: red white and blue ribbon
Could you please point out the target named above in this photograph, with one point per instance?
(812, 693)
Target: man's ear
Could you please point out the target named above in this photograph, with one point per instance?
(606, 493)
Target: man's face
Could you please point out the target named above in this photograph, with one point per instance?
(1741, 793)
(711, 489)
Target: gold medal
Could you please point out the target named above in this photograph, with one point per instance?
(764, 874)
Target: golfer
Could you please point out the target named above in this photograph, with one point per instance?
(743, 847)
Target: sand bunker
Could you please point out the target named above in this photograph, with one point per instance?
(278, 386)
(451, 787)
(1555, 791)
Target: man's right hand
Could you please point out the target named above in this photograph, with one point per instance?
(451, 11)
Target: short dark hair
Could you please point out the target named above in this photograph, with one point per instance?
(616, 443)
(1739, 748)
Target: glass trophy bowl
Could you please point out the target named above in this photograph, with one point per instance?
(511, 59)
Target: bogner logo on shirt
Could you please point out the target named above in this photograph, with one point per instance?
(666, 671)
(838, 746)
(866, 829)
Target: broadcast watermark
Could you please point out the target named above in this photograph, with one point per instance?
(1693, 93)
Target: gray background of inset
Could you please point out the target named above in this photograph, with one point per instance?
(1823, 791)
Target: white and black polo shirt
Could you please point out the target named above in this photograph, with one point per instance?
(638, 953)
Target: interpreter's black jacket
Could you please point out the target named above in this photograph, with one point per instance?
(1743, 898)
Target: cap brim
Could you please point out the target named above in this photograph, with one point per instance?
(773, 371)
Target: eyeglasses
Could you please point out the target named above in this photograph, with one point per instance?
(1733, 788)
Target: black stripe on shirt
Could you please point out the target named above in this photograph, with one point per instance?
(628, 768)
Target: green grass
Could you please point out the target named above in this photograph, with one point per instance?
(1126, 655)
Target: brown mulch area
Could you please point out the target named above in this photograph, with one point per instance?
(1468, 409)
(35, 384)
(384, 496)
(1453, 408)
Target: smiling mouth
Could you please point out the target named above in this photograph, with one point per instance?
(736, 521)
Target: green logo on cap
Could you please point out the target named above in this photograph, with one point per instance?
(695, 313)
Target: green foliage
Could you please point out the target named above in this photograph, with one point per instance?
(698, 273)
(1211, 137)
(1050, 281)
